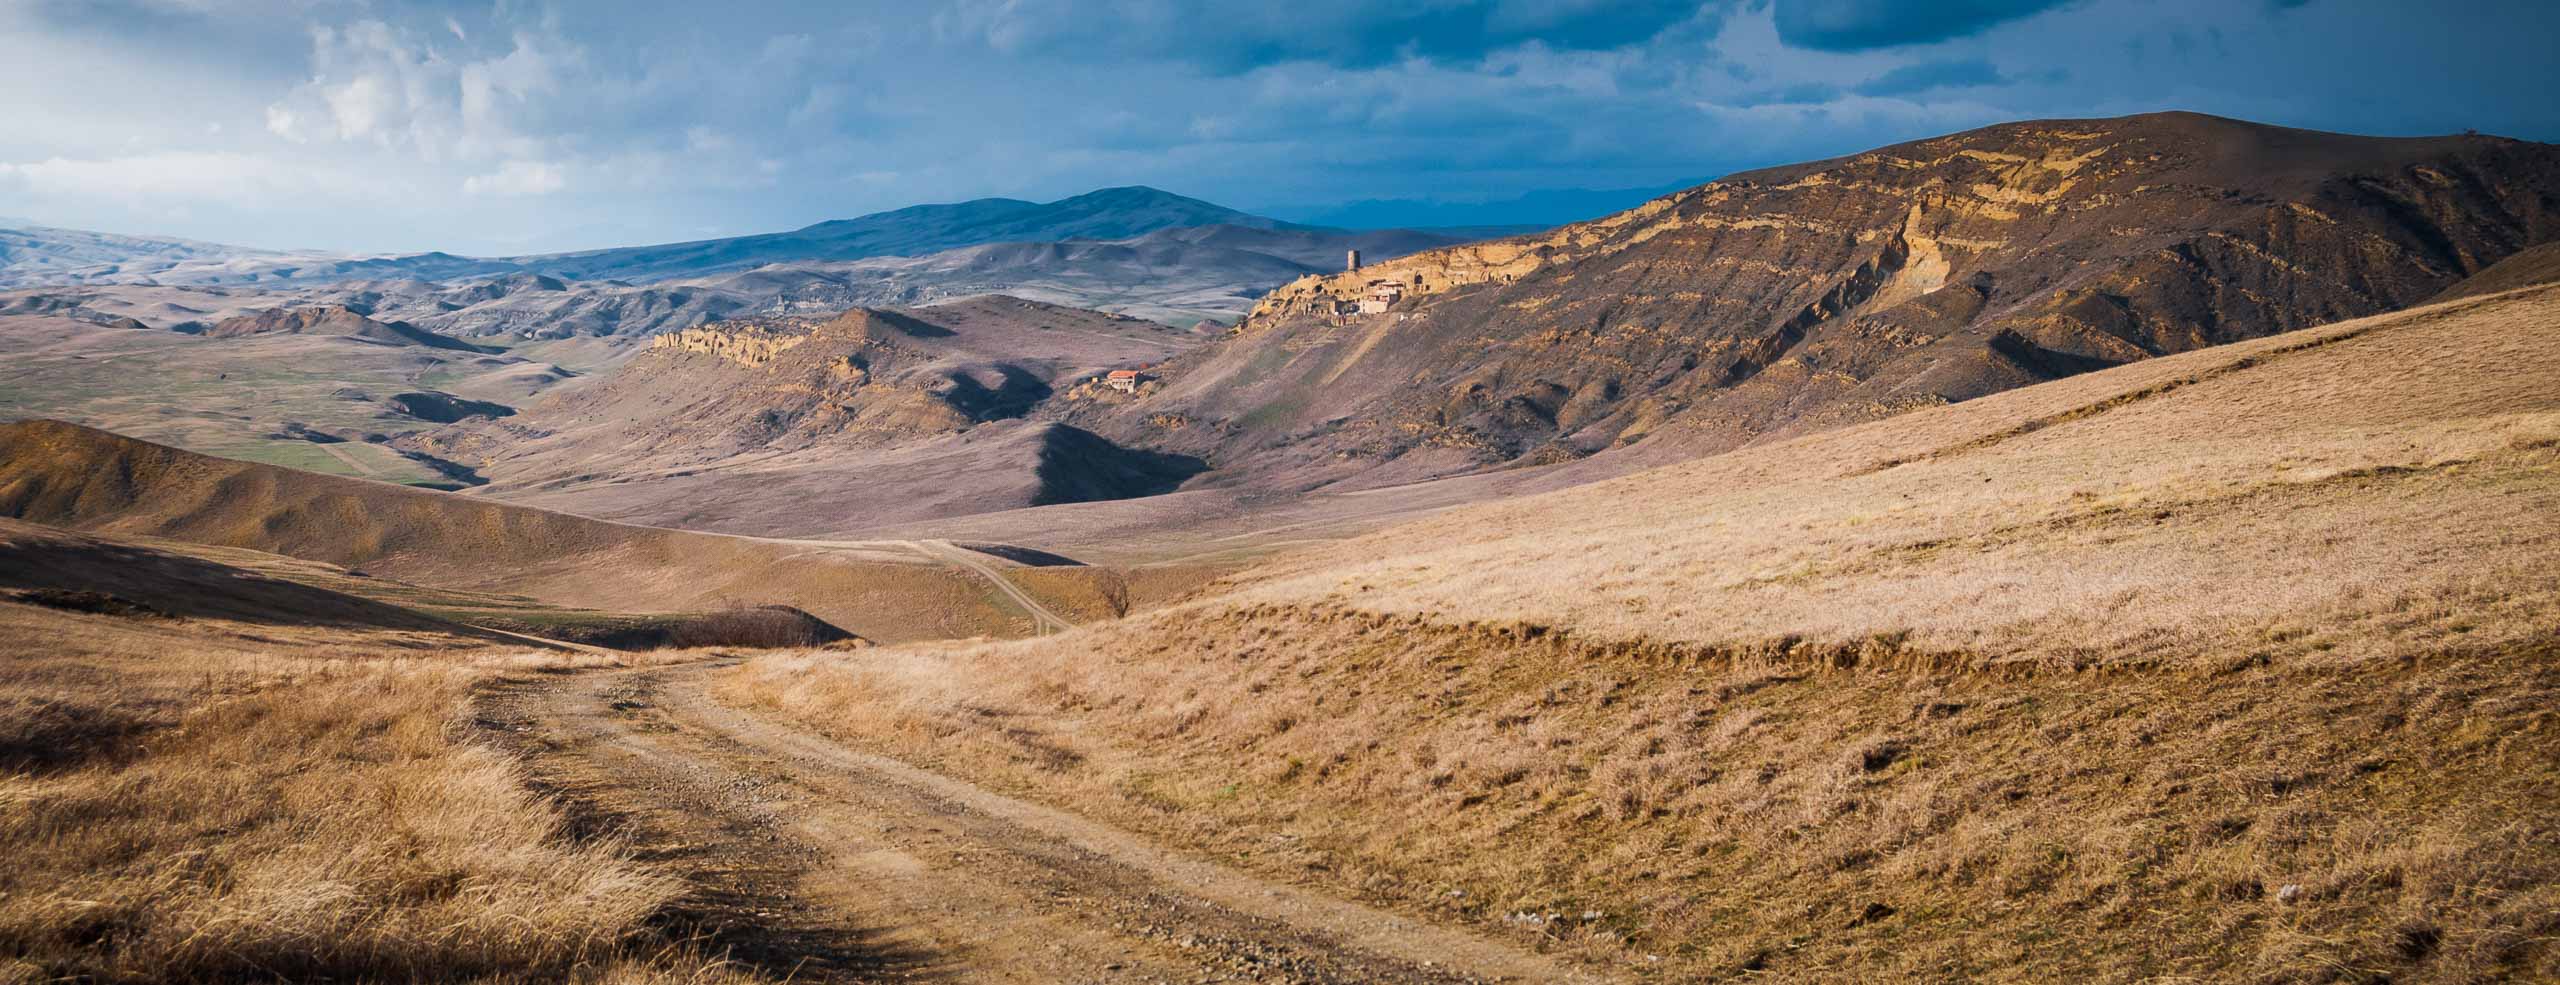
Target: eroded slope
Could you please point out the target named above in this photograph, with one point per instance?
(1772, 302)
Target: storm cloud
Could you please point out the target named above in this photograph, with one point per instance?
(526, 125)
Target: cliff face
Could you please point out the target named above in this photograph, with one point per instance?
(1842, 290)
(750, 347)
(703, 393)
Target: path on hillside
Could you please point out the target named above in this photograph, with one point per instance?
(820, 863)
(363, 469)
(1043, 620)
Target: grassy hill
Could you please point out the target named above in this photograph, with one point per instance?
(2231, 665)
(77, 478)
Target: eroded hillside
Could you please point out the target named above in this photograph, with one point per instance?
(796, 426)
(1775, 301)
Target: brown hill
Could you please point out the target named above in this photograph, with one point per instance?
(1774, 301)
(792, 427)
(2231, 665)
(73, 477)
(2527, 268)
(64, 569)
(334, 320)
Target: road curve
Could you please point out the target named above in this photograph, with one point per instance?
(820, 863)
(1043, 620)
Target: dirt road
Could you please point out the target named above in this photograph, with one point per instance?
(1043, 620)
(825, 864)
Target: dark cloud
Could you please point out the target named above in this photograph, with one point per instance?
(1925, 76)
(506, 126)
(1861, 25)
(1339, 33)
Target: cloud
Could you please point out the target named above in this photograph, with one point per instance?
(506, 125)
(1338, 33)
(165, 179)
(1925, 76)
(517, 178)
(1861, 25)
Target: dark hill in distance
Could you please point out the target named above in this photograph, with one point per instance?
(1111, 213)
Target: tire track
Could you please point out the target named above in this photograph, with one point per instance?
(819, 862)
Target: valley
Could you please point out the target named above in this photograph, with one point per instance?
(2123, 549)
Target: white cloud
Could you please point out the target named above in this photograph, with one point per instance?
(377, 84)
(281, 122)
(167, 179)
(518, 178)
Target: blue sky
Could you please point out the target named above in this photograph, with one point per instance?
(522, 125)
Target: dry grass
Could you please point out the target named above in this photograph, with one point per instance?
(94, 482)
(2233, 666)
(208, 801)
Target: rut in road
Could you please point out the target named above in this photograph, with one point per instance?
(821, 863)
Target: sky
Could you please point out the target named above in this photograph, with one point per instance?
(519, 126)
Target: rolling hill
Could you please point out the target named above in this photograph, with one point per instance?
(333, 320)
(795, 426)
(1135, 251)
(1773, 302)
(90, 481)
(2234, 664)
(1224, 244)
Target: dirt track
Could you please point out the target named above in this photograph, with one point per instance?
(824, 864)
(1044, 621)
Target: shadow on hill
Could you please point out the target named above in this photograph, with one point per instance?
(909, 325)
(76, 573)
(1017, 390)
(1029, 557)
(756, 626)
(1078, 466)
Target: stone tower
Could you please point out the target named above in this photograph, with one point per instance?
(1351, 262)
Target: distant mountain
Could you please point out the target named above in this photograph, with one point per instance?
(33, 254)
(1137, 251)
(1773, 302)
(44, 256)
(1112, 213)
(1179, 275)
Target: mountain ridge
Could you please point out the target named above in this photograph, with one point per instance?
(1827, 292)
(51, 256)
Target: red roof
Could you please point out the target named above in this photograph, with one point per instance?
(1124, 374)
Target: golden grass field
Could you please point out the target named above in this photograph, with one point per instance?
(2239, 665)
(202, 800)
